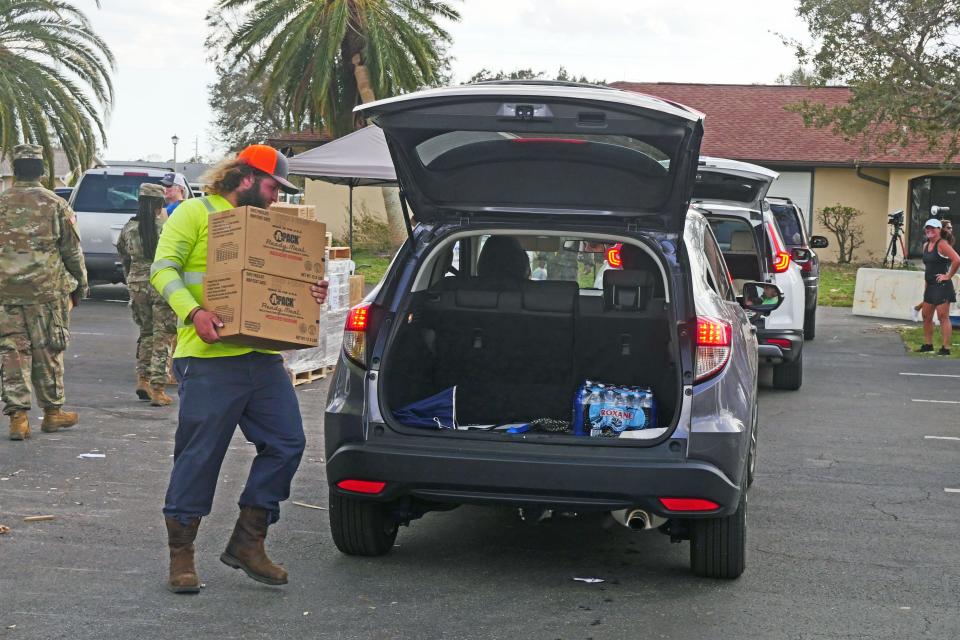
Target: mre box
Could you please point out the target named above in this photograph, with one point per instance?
(262, 311)
(266, 241)
(307, 211)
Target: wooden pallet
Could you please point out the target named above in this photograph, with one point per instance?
(306, 377)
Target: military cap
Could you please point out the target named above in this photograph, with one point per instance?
(150, 190)
(28, 152)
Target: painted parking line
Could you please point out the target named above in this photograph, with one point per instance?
(931, 375)
(949, 490)
(936, 401)
(941, 438)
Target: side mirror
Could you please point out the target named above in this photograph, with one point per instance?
(819, 242)
(800, 255)
(761, 297)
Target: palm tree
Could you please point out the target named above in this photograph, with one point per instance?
(54, 74)
(328, 56)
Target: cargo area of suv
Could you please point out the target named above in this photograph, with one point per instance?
(516, 349)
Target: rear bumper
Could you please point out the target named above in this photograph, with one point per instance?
(103, 267)
(560, 477)
(776, 354)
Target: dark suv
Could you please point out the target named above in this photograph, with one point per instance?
(793, 228)
(460, 376)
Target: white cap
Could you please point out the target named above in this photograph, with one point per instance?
(933, 222)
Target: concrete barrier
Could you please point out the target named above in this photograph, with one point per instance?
(890, 293)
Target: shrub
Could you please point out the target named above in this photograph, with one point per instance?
(841, 220)
(370, 233)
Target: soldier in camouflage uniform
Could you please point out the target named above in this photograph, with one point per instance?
(158, 324)
(42, 274)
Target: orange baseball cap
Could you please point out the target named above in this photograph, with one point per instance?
(271, 162)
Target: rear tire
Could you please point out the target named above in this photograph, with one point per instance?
(361, 527)
(789, 375)
(718, 546)
(810, 324)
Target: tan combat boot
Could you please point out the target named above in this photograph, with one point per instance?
(159, 397)
(19, 425)
(245, 549)
(143, 388)
(55, 418)
(183, 571)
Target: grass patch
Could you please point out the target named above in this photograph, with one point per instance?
(837, 282)
(371, 265)
(913, 338)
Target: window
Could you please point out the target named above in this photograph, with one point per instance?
(789, 222)
(110, 193)
(716, 267)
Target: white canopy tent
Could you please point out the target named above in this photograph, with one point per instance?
(359, 159)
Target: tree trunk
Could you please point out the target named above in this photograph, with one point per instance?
(391, 196)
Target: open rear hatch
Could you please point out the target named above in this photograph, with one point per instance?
(732, 182)
(513, 149)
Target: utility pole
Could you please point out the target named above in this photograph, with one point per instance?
(196, 148)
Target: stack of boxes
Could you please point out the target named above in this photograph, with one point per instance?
(260, 265)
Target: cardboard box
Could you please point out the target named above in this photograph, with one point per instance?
(265, 241)
(338, 253)
(263, 311)
(307, 211)
(356, 290)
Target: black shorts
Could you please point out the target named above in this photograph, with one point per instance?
(938, 293)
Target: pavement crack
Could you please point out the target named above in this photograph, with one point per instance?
(895, 517)
(858, 562)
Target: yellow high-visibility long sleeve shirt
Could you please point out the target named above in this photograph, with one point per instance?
(178, 271)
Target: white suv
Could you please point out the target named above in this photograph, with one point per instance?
(731, 195)
(104, 200)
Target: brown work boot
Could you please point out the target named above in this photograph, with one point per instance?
(245, 549)
(55, 418)
(159, 397)
(183, 571)
(143, 389)
(19, 425)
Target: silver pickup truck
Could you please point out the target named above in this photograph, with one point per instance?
(104, 200)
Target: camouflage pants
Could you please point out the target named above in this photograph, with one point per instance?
(158, 332)
(32, 341)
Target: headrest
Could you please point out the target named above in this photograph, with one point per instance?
(503, 257)
(627, 290)
(742, 242)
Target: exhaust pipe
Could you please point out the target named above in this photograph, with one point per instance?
(637, 519)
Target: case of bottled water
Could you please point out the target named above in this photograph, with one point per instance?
(607, 410)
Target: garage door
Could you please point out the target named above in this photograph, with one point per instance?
(796, 186)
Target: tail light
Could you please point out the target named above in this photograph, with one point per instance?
(780, 260)
(713, 346)
(613, 256)
(355, 334)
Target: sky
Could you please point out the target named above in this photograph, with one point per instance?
(163, 74)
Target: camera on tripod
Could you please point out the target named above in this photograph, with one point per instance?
(895, 218)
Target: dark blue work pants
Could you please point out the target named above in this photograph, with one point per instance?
(217, 394)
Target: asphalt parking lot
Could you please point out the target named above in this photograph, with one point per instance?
(853, 526)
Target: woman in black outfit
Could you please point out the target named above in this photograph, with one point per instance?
(940, 263)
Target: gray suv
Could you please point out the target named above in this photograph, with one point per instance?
(104, 200)
(460, 375)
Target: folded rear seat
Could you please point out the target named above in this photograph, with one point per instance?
(508, 346)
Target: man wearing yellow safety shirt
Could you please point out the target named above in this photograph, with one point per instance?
(224, 385)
